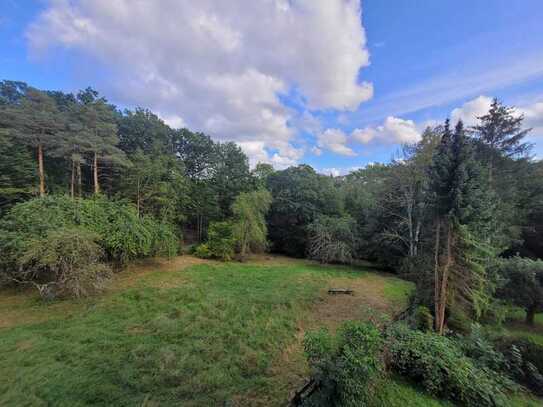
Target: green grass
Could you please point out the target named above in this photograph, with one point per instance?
(197, 337)
(515, 326)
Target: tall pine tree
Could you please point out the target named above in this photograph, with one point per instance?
(462, 209)
(34, 121)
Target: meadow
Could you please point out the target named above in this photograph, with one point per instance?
(189, 332)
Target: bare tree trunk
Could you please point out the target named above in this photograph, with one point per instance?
(41, 171)
(436, 274)
(138, 197)
(72, 181)
(445, 279)
(417, 237)
(410, 227)
(95, 172)
(79, 181)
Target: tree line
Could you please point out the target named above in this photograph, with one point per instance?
(444, 212)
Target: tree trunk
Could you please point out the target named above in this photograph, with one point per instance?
(436, 274)
(530, 316)
(445, 280)
(138, 197)
(417, 237)
(41, 171)
(79, 181)
(95, 171)
(72, 181)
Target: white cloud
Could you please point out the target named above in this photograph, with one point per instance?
(316, 151)
(219, 65)
(174, 121)
(334, 140)
(471, 110)
(393, 131)
(533, 115)
(337, 172)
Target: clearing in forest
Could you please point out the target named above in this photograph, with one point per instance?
(187, 330)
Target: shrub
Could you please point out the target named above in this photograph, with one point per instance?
(220, 241)
(524, 360)
(202, 251)
(347, 367)
(164, 240)
(66, 262)
(440, 366)
(424, 320)
(121, 233)
(332, 239)
(522, 284)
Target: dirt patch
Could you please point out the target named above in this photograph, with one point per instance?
(367, 303)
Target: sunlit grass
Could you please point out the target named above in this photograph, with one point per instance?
(201, 336)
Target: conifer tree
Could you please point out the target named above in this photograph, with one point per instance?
(99, 130)
(36, 122)
(461, 211)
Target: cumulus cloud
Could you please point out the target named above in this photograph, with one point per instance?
(533, 116)
(335, 140)
(219, 65)
(471, 110)
(393, 131)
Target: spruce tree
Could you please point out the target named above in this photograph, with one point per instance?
(462, 209)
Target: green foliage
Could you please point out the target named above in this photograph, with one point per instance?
(156, 185)
(121, 233)
(522, 284)
(220, 241)
(65, 262)
(347, 367)
(424, 320)
(249, 228)
(300, 196)
(524, 360)
(438, 364)
(202, 251)
(332, 239)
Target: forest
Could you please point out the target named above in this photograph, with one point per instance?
(88, 189)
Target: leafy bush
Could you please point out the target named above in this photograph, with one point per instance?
(220, 241)
(522, 284)
(332, 239)
(202, 251)
(346, 367)
(440, 366)
(66, 262)
(524, 360)
(250, 229)
(423, 318)
(164, 240)
(121, 233)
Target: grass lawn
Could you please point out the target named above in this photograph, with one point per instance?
(195, 336)
(190, 333)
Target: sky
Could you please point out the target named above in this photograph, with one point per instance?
(336, 84)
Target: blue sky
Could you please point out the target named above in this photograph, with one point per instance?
(287, 82)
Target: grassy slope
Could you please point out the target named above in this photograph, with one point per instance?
(201, 336)
(195, 336)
